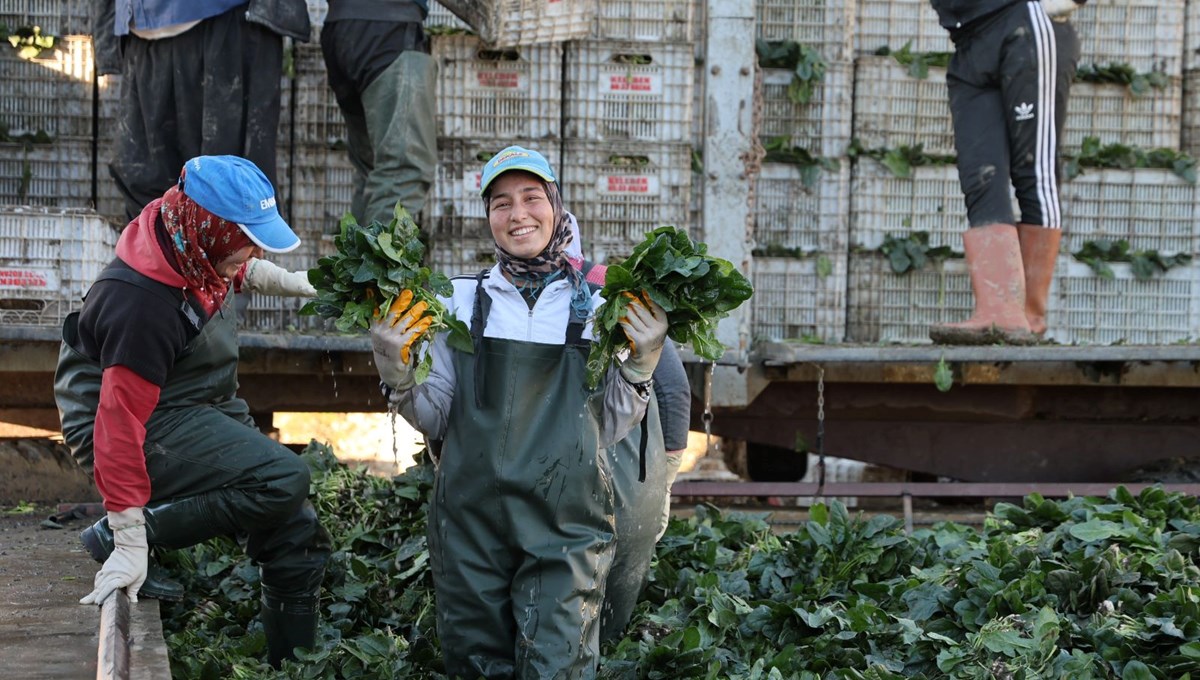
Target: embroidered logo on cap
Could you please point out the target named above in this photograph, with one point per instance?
(509, 155)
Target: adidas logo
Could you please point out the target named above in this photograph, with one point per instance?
(1024, 111)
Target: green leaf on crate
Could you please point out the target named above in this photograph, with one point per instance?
(1144, 263)
(824, 266)
(781, 150)
(805, 63)
(911, 252)
(29, 41)
(900, 160)
(1093, 154)
(1117, 73)
(918, 63)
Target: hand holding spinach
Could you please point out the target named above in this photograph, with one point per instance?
(695, 289)
(376, 269)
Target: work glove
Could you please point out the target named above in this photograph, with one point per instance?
(126, 566)
(393, 337)
(269, 278)
(1057, 8)
(645, 324)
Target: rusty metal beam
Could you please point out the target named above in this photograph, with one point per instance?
(683, 489)
(112, 654)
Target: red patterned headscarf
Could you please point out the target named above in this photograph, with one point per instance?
(201, 240)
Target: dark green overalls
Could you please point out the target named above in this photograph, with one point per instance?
(212, 472)
(521, 521)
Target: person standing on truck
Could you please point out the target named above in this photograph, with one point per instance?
(521, 520)
(1008, 84)
(198, 78)
(382, 75)
(146, 391)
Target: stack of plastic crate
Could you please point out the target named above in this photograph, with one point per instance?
(46, 110)
(48, 259)
(1150, 208)
(487, 99)
(801, 214)
(627, 144)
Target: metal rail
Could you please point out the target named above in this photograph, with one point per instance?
(112, 662)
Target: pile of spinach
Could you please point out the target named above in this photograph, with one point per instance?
(363, 281)
(917, 63)
(694, 288)
(28, 41)
(782, 150)
(910, 252)
(1088, 588)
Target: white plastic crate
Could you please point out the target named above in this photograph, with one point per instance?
(322, 181)
(883, 204)
(455, 208)
(827, 26)
(1151, 208)
(512, 23)
(50, 94)
(1113, 114)
(1190, 141)
(1146, 34)
(48, 260)
(892, 108)
(441, 18)
(790, 215)
(823, 125)
(55, 17)
(1085, 308)
(318, 120)
(887, 307)
(460, 257)
(621, 191)
(629, 91)
(504, 94)
(800, 298)
(892, 23)
(644, 20)
(58, 174)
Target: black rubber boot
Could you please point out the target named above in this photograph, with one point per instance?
(289, 621)
(172, 525)
(98, 539)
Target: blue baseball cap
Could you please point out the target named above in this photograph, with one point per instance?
(234, 189)
(515, 158)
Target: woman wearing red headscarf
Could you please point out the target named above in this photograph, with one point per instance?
(146, 389)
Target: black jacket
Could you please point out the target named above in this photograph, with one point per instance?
(955, 15)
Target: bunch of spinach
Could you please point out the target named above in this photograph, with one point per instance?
(1094, 154)
(695, 289)
(363, 282)
(1117, 73)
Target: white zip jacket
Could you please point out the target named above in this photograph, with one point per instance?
(426, 406)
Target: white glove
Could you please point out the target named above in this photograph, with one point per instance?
(392, 341)
(269, 278)
(646, 328)
(1056, 8)
(126, 566)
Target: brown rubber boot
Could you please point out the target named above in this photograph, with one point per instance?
(998, 281)
(1039, 251)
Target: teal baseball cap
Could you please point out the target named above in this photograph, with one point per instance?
(515, 158)
(236, 190)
